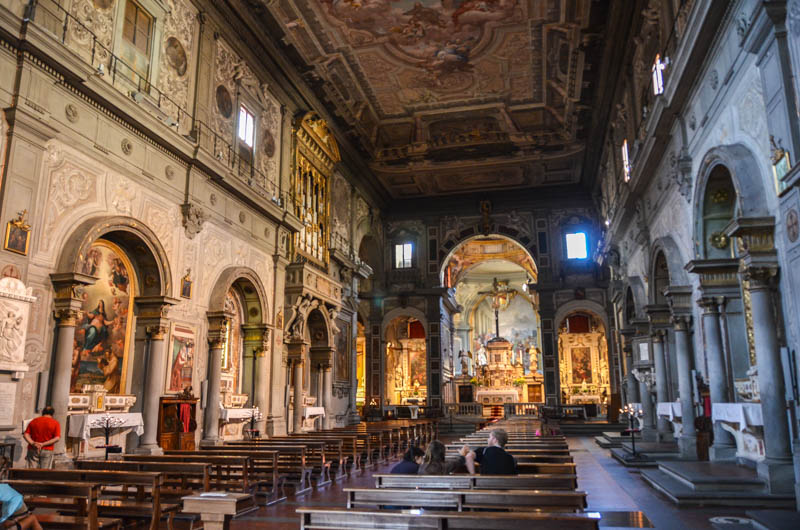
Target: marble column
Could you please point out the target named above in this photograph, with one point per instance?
(724, 447)
(662, 394)
(216, 342)
(257, 341)
(153, 388)
(687, 442)
(776, 467)
(327, 395)
(67, 310)
(297, 418)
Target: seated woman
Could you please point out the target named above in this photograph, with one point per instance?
(434, 462)
(410, 463)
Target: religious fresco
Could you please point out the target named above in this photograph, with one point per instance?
(102, 333)
(181, 359)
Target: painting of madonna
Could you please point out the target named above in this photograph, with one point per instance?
(102, 332)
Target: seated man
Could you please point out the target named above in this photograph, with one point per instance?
(494, 460)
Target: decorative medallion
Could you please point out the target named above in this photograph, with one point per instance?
(71, 112)
(169, 172)
(127, 146)
(213, 199)
(242, 217)
(792, 225)
(176, 56)
(224, 102)
(719, 240)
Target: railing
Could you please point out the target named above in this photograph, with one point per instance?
(463, 409)
(81, 40)
(521, 409)
(74, 34)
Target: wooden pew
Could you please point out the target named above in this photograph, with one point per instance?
(264, 474)
(84, 496)
(344, 519)
(142, 504)
(180, 479)
(293, 461)
(507, 500)
(336, 454)
(464, 481)
(228, 473)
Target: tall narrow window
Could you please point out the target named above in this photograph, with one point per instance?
(137, 27)
(658, 75)
(626, 163)
(247, 124)
(577, 247)
(403, 254)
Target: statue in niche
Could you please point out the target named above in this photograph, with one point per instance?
(482, 359)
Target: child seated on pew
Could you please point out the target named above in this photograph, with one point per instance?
(434, 462)
(412, 459)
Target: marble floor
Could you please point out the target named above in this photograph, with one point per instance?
(619, 494)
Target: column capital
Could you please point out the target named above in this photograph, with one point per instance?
(158, 331)
(760, 276)
(66, 317)
(679, 300)
(218, 327)
(681, 322)
(657, 335)
(153, 307)
(715, 273)
(710, 304)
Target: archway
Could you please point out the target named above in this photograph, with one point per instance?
(405, 379)
(497, 336)
(583, 359)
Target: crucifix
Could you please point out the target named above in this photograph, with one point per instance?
(501, 295)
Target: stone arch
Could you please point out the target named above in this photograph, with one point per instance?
(453, 245)
(745, 174)
(139, 242)
(251, 289)
(572, 306)
(675, 261)
(634, 300)
(403, 312)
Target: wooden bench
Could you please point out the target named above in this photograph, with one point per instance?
(142, 504)
(507, 500)
(336, 454)
(465, 481)
(82, 495)
(228, 473)
(180, 479)
(342, 518)
(293, 460)
(264, 473)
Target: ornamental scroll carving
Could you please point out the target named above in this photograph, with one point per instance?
(193, 219)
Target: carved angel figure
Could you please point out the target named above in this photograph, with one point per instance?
(11, 337)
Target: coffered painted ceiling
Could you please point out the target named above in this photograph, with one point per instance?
(452, 96)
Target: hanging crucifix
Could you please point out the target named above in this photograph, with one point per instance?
(501, 295)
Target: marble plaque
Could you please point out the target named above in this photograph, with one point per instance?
(8, 397)
(644, 351)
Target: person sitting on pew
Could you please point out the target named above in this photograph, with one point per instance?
(434, 463)
(494, 460)
(410, 463)
(15, 514)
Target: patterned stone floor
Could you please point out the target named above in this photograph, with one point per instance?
(621, 496)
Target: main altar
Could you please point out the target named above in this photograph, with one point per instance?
(496, 376)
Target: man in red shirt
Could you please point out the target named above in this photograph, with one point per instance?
(42, 433)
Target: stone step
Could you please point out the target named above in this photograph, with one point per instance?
(626, 459)
(714, 476)
(774, 519)
(683, 495)
(655, 450)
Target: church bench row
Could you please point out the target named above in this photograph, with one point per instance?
(321, 455)
(264, 470)
(507, 500)
(518, 449)
(342, 518)
(464, 481)
(529, 460)
(141, 504)
(527, 467)
(180, 479)
(83, 496)
(300, 462)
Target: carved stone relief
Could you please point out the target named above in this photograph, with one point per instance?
(193, 219)
(177, 52)
(15, 302)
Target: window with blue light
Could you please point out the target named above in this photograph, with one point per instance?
(577, 247)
